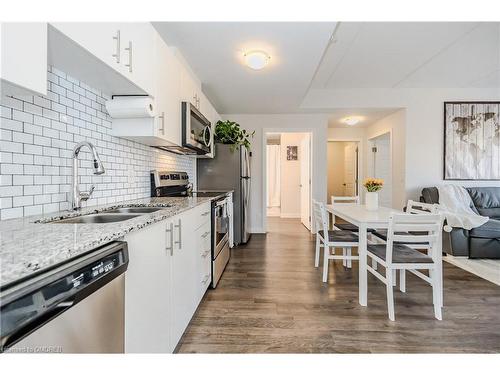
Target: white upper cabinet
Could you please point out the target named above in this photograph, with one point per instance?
(127, 48)
(139, 44)
(168, 87)
(23, 58)
(164, 129)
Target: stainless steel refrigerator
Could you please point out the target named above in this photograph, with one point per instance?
(229, 170)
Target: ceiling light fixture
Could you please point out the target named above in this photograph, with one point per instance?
(350, 121)
(256, 60)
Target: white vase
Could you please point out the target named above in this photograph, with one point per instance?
(372, 201)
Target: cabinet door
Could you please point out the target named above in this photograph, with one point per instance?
(139, 40)
(101, 39)
(168, 101)
(148, 290)
(184, 295)
(189, 88)
(24, 58)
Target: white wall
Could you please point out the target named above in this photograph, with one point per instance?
(314, 123)
(424, 125)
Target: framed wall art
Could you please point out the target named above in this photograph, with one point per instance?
(471, 141)
(292, 152)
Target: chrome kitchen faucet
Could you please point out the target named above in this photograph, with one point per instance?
(78, 196)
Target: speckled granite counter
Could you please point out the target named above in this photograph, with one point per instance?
(28, 246)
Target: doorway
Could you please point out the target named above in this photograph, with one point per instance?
(380, 165)
(288, 176)
(343, 168)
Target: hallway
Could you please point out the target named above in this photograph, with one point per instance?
(271, 300)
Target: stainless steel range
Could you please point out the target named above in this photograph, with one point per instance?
(176, 184)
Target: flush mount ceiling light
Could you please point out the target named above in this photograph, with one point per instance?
(256, 60)
(351, 121)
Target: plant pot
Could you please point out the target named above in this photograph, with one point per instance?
(372, 201)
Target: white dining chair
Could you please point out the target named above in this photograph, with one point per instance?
(415, 208)
(335, 200)
(331, 239)
(395, 255)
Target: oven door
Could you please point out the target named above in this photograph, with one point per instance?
(221, 227)
(196, 130)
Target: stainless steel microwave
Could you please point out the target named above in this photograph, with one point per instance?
(196, 130)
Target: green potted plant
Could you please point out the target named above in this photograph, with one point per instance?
(230, 133)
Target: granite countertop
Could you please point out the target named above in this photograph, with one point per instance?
(30, 244)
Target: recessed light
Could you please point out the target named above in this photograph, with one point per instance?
(351, 121)
(256, 59)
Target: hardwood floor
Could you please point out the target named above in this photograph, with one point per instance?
(271, 300)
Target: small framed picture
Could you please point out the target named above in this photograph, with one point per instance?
(292, 152)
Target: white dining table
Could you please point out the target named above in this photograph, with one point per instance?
(363, 218)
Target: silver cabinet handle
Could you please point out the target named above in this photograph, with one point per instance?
(116, 55)
(170, 230)
(162, 129)
(179, 226)
(129, 49)
(204, 235)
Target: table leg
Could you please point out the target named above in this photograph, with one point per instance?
(363, 277)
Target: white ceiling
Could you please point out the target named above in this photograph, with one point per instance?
(367, 116)
(215, 50)
(362, 55)
(411, 54)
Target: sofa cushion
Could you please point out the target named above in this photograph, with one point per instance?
(486, 200)
(490, 229)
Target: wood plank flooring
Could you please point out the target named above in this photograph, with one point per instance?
(271, 300)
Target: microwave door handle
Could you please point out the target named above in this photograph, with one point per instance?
(209, 130)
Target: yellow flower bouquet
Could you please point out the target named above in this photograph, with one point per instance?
(373, 184)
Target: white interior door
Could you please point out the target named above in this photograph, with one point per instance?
(381, 166)
(305, 181)
(350, 169)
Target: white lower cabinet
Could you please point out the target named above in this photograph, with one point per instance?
(169, 272)
(148, 291)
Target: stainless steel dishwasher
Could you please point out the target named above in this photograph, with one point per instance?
(77, 307)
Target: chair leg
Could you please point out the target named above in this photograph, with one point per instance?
(436, 294)
(344, 253)
(326, 252)
(402, 281)
(349, 261)
(316, 256)
(390, 297)
(394, 277)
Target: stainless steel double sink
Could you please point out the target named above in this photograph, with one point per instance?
(108, 216)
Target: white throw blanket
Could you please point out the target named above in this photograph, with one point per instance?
(454, 203)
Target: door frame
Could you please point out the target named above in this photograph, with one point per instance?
(265, 132)
(361, 158)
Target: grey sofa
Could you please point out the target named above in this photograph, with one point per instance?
(480, 242)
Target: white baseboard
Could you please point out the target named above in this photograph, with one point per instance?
(290, 216)
(257, 230)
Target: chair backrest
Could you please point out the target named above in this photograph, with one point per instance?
(414, 207)
(337, 199)
(406, 224)
(320, 216)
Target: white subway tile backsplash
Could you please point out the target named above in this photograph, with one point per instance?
(38, 137)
